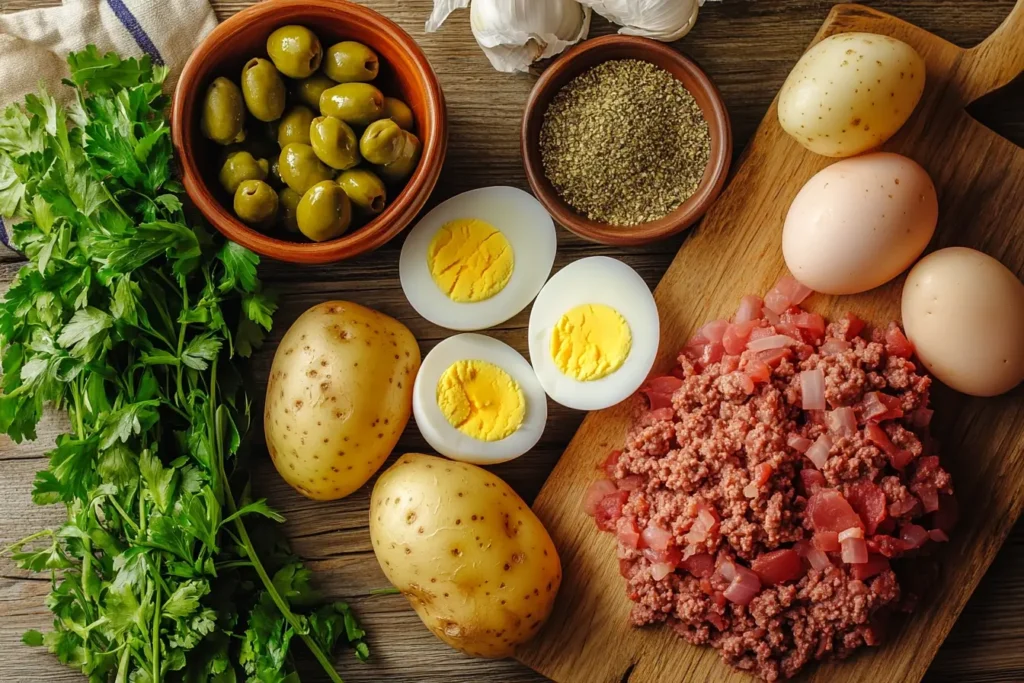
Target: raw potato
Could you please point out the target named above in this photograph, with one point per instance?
(470, 556)
(339, 396)
(850, 93)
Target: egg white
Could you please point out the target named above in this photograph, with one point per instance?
(449, 441)
(528, 229)
(595, 280)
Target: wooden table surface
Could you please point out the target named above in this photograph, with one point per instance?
(747, 47)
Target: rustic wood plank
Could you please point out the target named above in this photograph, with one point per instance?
(982, 445)
(748, 48)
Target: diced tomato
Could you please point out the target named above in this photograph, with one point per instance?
(921, 417)
(898, 457)
(758, 371)
(610, 462)
(868, 499)
(878, 407)
(712, 353)
(659, 391)
(788, 329)
(628, 533)
(596, 493)
(658, 415)
(945, 517)
(875, 565)
(811, 325)
(830, 511)
(929, 497)
(609, 509)
(744, 382)
(938, 535)
(812, 479)
(625, 567)
(719, 599)
(904, 507)
(670, 555)
(913, 535)
(896, 343)
(886, 545)
(750, 309)
(736, 335)
(826, 541)
(714, 330)
(803, 351)
(787, 292)
(630, 482)
(761, 333)
(762, 473)
(701, 565)
(778, 566)
(730, 364)
(743, 586)
(854, 327)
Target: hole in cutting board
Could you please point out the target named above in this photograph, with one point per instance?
(1000, 111)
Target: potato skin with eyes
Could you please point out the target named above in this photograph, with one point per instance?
(473, 560)
(339, 396)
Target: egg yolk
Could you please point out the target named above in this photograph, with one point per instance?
(481, 400)
(590, 342)
(470, 260)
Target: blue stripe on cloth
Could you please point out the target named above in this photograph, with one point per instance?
(132, 25)
(3, 234)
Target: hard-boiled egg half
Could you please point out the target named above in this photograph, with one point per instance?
(478, 258)
(477, 400)
(593, 333)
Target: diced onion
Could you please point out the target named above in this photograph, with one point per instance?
(660, 570)
(842, 421)
(656, 538)
(744, 586)
(798, 443)
(818, 559)
(913, 535)
(777, 341)
(812, 389)
(852, 532)
(750, 490)
(855, 551)
(938, 535)
(832, 347)
(818, 451)
(750, 309)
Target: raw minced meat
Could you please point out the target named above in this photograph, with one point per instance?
(731, 534)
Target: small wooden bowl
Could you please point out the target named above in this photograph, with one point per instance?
(405, 73)
(590, 54)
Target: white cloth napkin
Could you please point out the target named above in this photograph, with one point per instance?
(34, 44)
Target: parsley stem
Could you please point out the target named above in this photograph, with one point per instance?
(156, 627)
(26, 540)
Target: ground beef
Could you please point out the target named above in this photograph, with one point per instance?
(713, 473)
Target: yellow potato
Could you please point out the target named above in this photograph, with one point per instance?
(850, 93)
(339, 396)
(471, 557)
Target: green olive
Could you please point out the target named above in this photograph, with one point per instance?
(364, 189)
(309, 90)
(256, 203)
(349, 61)
(295, 126)
(358, 104)
(402, 167)
(295, 51)
(274, 178)
(399, 112)
(334, 142)
(223, 117)
(239, 167)
(263, 89)
(382, 142)
(324, 212)
(289, 200)
(300, 168)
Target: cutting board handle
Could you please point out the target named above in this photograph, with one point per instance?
(999, 59)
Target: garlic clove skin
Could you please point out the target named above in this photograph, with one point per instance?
(515, 33)
(664, 20)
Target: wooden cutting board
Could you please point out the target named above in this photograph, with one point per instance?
(736, 250)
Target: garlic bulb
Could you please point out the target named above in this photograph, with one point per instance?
(516, 33)
(665, 20)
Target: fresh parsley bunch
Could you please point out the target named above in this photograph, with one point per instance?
(129, 315)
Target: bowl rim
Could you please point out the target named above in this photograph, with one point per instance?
(686, 214)
(374, 234)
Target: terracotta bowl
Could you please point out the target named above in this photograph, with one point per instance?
(589, 54)
(405, 73)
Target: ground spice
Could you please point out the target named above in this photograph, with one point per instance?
(625, 143)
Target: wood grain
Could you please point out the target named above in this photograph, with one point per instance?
(978, 175)
(747, 47)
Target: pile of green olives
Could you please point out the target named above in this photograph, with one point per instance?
(310, 144)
